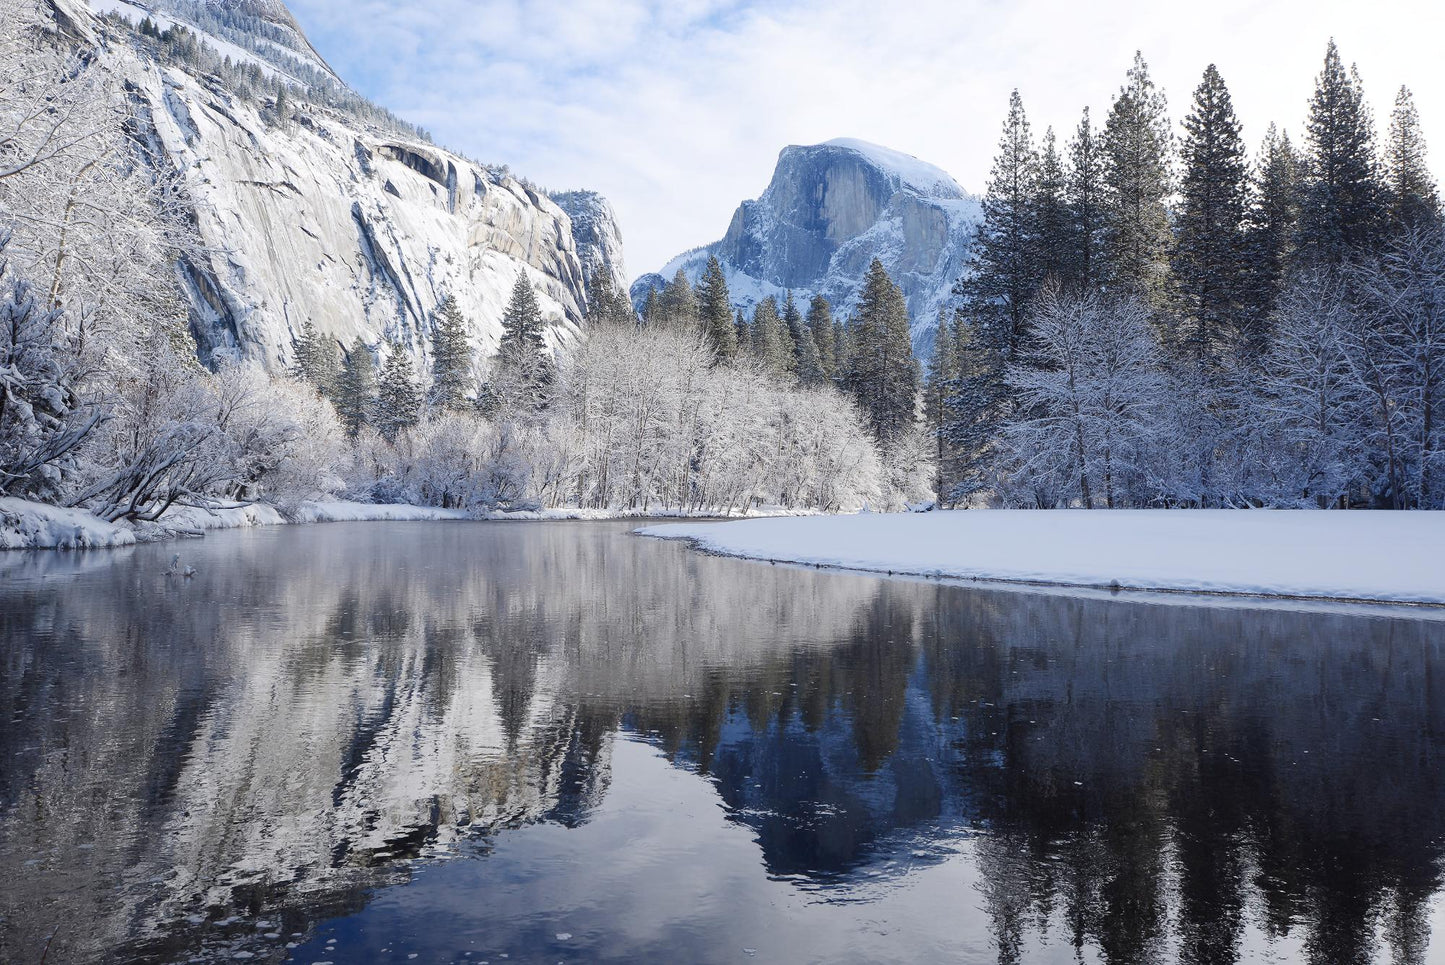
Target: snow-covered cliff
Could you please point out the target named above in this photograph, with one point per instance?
(828, 212)
(312, 213)
(594, 229)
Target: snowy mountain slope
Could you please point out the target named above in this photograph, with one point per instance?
(829, 210)
(324, 217)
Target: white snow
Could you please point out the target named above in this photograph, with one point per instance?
(1377, 556)
(927, 179)
(28, 525)
(344, 511)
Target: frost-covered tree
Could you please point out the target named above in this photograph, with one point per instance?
(317, 359)
(1052, 224)
(606, 305)
(451, 358)
(399, 398)
(1209, 264)
(715, 308)
(1090, 399)
(1136, 150)
(356, 389)
(43, 417)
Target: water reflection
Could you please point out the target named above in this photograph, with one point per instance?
(214, 766)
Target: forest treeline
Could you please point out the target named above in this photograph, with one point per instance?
(1156, 318)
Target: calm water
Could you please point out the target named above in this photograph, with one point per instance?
(560, 743)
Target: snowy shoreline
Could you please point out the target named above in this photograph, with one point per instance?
(1358, 556)
(26, 525)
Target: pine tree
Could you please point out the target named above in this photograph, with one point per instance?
(1136, 177)
(1414, 200)
(770, 339)
(715, 307)
(820, 326)
(356, 389)
(526, 373)
(882, 374)
(807, 364)
(652, 308)
(1052, 249)
(451, 358)
(317, 360)
(399, 401)
(605, 304)
(744, 332)
(1005, 275)
(1086, 191)
(939, 387)
(1342, 206)
(1273, 226)
(1209, 267)
(677, 305)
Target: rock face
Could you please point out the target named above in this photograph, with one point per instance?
(595, 231)
(319, 216)
(828, 212)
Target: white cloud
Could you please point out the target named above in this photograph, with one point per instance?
(676, 110)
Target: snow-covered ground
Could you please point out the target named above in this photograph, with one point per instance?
(1394, 557)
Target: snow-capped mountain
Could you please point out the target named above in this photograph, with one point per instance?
(829, 211)
(321, 212)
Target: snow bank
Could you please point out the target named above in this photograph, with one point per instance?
(27, 525)
(1390, 557)
(343, 511)
(190, 518)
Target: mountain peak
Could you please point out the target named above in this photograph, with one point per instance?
(928, 179)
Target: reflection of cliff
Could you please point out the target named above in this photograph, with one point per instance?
(276, 737)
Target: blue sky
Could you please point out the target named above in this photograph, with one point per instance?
(677, 110)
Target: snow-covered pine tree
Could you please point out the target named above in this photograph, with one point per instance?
(744, 333)
(770, 339)
(715, 307)
(1005, 274)
(398, 401)
(652, 308)
(356, 389)
(820, 326)
(882, 374)
(807, 365)
(1271, 232)
(1413, 198)
(1210, 273)
(1051, 214)
(677, 305)
(1086, 207)
(1342, 207)
(1136, 146)
(525, 369)
(451, 358)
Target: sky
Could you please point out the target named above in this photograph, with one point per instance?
(676, 109)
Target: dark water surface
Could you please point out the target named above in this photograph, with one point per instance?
(516, 743)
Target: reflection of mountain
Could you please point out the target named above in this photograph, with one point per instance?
(269, 741)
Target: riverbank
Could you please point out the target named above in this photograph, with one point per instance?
(31, 525)
(1359, 556)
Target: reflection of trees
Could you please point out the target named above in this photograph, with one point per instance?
(1154, 782)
